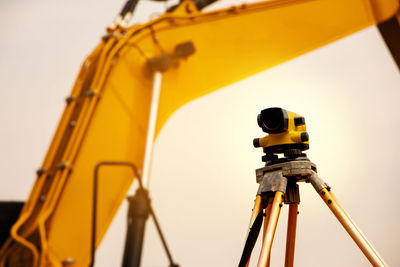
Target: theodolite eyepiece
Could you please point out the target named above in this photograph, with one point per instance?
(273, 120)
(286, 130)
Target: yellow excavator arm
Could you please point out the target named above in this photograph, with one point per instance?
(107, 112)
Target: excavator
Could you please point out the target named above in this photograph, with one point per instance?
(128, 87)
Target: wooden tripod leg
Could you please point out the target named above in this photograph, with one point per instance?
(257, 208)
(270, 231)
(351, 228)
(291, 235)
(266, 220)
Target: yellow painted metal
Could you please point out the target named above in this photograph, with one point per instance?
(263, 260)
(291, 235)
(34, 203)
(361, 241)
(108, 118)
(233, 43)
(291, 136)
(114, 131)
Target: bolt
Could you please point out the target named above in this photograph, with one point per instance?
(323, 193)
(329, 201)
(62, 165)
(70, 99)
(280, 205)
(68, 261)
(91, 93)
(40, 171)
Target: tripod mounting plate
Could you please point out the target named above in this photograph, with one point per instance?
(299, 169)
(275, 177)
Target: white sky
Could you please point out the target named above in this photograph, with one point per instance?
(348, 91)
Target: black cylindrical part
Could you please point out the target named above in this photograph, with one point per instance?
(273, 120)
(256, 142)
(126, 8)
(139, 209)
(304, 137)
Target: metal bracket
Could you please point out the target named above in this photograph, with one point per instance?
(272, 182)
(275, 177)
(160, 64)
(318, 183)
(297, 168)
(165, 61)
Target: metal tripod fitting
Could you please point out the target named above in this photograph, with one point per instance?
(318, 183)
(272, 182)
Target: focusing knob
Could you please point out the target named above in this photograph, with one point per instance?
(256, 142)
(304, 137)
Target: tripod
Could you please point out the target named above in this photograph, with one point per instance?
(278, 184)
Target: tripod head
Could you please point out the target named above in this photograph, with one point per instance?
(286, 134)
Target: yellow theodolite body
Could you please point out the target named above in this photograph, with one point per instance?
(287, 130)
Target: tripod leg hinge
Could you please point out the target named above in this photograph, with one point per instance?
(272, 182)
(292, 195)
(318, 183)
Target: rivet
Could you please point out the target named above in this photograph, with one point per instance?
(62, 165)
(68, 261)
(40, 171)
(91, 92)
(70, 99)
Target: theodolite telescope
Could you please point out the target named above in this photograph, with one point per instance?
(286, 131)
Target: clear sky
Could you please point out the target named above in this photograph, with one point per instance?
(348, 92)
